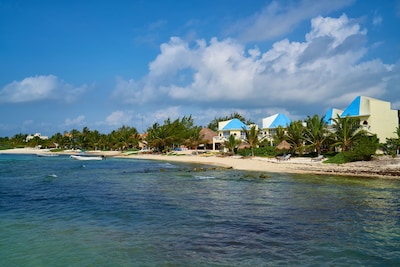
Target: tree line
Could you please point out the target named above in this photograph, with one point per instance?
(311, 136)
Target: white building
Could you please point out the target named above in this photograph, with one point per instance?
(376, 116)
(30, 137)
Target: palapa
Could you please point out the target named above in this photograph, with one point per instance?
(284, 145)
(207, 135)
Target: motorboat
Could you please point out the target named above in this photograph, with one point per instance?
(84, 157)
(47, 154)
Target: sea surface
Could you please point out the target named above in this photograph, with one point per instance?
(57, 211)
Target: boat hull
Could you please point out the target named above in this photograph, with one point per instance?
(78, 157)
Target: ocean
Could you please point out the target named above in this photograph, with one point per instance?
(57, 211)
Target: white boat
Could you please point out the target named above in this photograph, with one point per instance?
(81, 157)
(47, 155)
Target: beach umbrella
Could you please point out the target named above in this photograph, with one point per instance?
(284, 145)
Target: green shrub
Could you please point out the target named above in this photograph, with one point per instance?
(337, 159)
(268, 151)
(362, 150)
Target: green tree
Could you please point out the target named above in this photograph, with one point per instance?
(232, 143)
(279, 135)
(18, 140)
(194, 139)
(392, 145)
(295, 136)
(75, 138)
(159, 137)
(125, 137)
(347, 130)
(57, 139)
(251, 138)
(171, 134)
(363, 148)
(316, 132)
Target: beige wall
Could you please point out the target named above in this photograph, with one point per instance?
(382, 120)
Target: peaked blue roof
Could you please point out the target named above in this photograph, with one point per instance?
(329, 116)
(235, 124)
(280, 120)
(353, 109)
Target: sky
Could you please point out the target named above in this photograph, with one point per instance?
(103, 64)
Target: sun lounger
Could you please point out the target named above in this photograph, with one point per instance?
(285, 157)
(319, 158)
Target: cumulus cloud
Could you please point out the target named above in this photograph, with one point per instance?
(281, 17)
(39, 88)
(75, 121)
(327, 70)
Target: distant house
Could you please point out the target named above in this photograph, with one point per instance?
(376, 116)
(30, 137)
(230, 127)
(271, 123)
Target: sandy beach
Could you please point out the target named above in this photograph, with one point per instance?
(381, 167)
(384, 167)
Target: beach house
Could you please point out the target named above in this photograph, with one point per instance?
(271, 123)
(38, 135)
(230, 127)
(376, 116)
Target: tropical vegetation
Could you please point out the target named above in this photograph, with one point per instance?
(345, 139)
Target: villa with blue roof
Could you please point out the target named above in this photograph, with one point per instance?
(230, 127)
(375, 115)
(271, 123)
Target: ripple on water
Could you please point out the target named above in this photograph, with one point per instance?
(56, 213)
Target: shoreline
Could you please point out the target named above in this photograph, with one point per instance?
(388, 168)
(384, 167)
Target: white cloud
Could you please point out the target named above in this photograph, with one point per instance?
(118, 118)
(338, 29)
(325, 70)
(281, 17)
(75, 121)
(39, 88)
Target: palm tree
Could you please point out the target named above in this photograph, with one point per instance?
(295, 135)
(194, 139)
(347, 132)
(232, 143)
(160, 137)
(316, 132)
(251, 138)
(279, 135)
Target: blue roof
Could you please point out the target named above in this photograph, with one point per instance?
(353, 109)
(235, 124)
(280, 120)
(329, 116)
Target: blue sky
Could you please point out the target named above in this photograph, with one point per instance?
(102, 64)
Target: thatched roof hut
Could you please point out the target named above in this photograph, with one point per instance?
(284, 145)
(207, 135)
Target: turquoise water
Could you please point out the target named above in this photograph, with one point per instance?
(124, 212)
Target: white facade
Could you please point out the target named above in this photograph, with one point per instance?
(30, 137)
